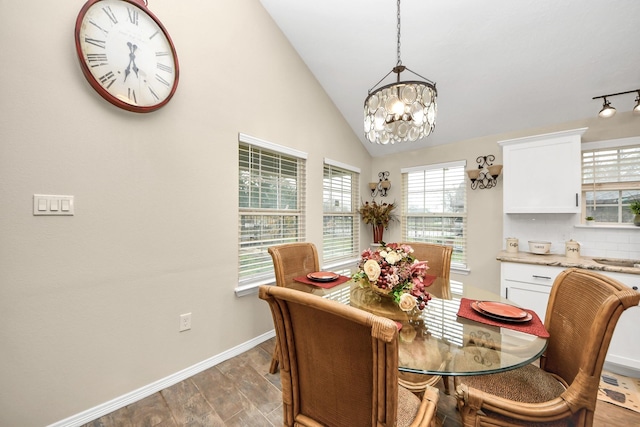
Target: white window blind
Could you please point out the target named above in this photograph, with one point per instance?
(341, 223)
(271, 206)
(434, 207)
(610, 181)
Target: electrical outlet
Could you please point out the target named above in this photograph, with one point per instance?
(185, 322)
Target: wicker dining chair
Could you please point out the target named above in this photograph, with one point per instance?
(291, 260)
(339, 365)
(581, 316)
(438, 259)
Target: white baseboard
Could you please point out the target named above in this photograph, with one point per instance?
(626, 369)
(146, 391)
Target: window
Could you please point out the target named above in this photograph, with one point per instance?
(610, 180)
(340, 221)
(434, 207)
(271, 205)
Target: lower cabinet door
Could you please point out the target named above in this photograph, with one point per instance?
(624, 350)
(530, 296)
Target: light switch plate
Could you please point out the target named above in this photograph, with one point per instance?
(49, 204)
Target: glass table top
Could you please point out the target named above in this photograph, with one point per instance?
(435, 340)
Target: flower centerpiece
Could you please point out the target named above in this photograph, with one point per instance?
(393, 271)
(379, 215)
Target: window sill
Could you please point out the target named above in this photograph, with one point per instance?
(609, 226)
(459, 270)
(252, 288)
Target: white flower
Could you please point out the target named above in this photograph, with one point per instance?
(392, 257)
(407, 302)
(372, 270)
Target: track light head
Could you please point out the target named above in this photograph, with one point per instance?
(607, 110)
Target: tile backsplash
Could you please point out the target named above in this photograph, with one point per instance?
(595, 241)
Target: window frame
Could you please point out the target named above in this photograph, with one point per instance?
(459, 261)
(333, 262)
(270, 152)
(590, 184)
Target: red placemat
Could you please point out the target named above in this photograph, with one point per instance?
(326, 285)
(533, 326)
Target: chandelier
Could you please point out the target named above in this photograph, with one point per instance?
(401, 111)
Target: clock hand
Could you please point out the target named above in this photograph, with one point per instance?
(132, 60)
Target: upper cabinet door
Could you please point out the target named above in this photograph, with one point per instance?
(542, 173)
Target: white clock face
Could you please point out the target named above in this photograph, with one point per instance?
(127, 54)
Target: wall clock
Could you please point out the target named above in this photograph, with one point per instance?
(126, 54)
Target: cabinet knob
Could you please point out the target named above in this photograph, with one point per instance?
(635, 288)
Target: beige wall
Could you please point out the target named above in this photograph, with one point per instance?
(89, 304)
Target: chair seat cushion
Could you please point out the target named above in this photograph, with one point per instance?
(527, 384)
(408, 405)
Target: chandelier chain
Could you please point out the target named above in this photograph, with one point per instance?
(398, 46)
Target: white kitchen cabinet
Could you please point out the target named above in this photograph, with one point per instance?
(623, 356)
(542, 174)
(528, 285)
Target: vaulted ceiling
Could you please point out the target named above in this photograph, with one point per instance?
(499, 65)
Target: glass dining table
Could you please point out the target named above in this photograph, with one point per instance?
(436, 341)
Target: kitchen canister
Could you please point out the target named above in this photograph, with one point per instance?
(572, 249)
(512, 245)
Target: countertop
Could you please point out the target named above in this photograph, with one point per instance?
(562, 261)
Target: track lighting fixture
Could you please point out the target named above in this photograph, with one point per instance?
(609, 111)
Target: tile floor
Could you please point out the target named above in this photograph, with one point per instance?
(241, 393)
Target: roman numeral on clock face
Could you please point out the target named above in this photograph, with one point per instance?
(133, 16)
(161, 80)
(96, 59)
(107, 79)
(110, 14)
(132, 94)
(164, 68)
(155, 95)
(95, 42)
(105, 32)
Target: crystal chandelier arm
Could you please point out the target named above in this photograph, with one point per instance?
(376, 85)
(423, 78)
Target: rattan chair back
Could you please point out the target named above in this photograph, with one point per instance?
(582, 313)
(438, 257)
(293, 260)
(339, 365)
